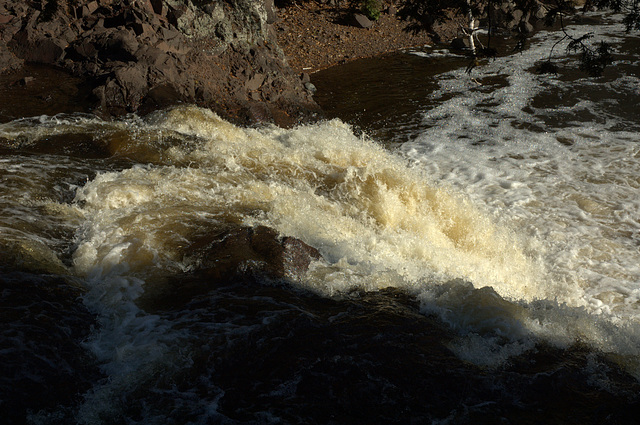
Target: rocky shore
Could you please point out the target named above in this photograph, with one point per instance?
(139, 55)
(247, 60)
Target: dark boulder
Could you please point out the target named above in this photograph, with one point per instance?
(460, 43)
(231, 257)
(249, 253)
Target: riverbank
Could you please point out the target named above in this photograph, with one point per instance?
(140, 56)
(247, 61)
(316, 35)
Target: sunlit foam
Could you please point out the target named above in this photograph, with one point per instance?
(538, 152)
(345, 195)
(507, 226)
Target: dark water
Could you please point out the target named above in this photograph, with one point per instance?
(39, 90)
(480, 268)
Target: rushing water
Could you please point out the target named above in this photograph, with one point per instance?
(480, 247)
(555, 159)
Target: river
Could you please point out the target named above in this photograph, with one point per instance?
(479, 233)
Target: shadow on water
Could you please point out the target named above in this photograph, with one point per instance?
(41, 90)
(44, 364)
(269, 351)
(264, 353)
(376, 94)
(386, 96)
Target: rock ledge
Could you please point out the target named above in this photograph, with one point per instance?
(138, 56)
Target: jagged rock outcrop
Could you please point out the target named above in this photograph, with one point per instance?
(511, 15)
(139, 55)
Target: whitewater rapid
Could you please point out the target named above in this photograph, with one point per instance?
(512, 215)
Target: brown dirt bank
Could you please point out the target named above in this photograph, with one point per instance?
(318, 34)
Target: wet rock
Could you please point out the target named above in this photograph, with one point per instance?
(126, 86)
(159, 97)
(249, 253)
(32, 255)
(232, 256)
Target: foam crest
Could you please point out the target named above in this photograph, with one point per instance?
(377, 221)
(345, 195)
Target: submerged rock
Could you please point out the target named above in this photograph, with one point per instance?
(31, 255)
(209, 53)
(249, 253)
(373, 357)
(232, 256)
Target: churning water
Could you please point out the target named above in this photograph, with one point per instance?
(554, 161)
(503, 206)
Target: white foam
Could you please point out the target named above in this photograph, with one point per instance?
(506, 221)
(526, 218)
(565, 175)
